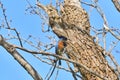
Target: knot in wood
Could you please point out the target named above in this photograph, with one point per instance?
(11, 48)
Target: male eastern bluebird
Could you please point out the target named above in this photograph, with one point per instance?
(60, 47)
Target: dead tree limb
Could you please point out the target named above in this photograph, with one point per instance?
(117, 4)
(11, 49)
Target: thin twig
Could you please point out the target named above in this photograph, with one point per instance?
(52, 70)
(8, 26)
(72, 71)
(62, 58)
(3, 10)
(106, 27)
(11, 49)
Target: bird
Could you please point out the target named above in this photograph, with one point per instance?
(73, 15)
(60, 47)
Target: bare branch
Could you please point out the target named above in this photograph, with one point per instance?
(8, 26)
(3, 10)
(63, 58)
(105, 25)
(73, 72)
(116, 4)
(87, 4)
(11, 49)
(108, 29)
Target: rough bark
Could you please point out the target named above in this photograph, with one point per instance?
(81, 48)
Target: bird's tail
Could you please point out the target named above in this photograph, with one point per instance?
(59, 62)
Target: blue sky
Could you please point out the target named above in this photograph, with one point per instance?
(28, 24)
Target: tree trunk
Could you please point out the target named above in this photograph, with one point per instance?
(82, 49)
